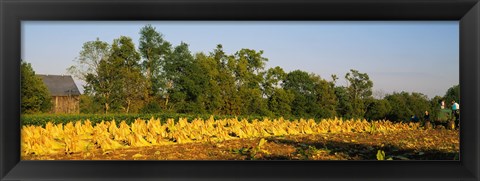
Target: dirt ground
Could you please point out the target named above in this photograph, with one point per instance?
(434, 144)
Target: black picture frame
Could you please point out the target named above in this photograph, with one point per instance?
(12, 12)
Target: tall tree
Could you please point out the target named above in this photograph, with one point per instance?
(280, 102)
(359, 90)
(325, 98)
(249, 76)
(453, 93)
(314, 96)
(106, 85)
(300, 84)
(227, 81)
(419, 103)
(400, 110)
(404, 105)
(153, 49)
(273, 79)
(207, 77)
(378, 109)
(344, 107)
(231, 103)
(34, 94)
(89, 105)
(127, 60)
(88, 61)
(88, 68)
(179, 85)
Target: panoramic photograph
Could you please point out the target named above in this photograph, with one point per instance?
(240, 90)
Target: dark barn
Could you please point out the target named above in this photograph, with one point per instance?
(64, 92)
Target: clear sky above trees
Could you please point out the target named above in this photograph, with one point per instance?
(398, 56)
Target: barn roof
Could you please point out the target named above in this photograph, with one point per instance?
(60, 85)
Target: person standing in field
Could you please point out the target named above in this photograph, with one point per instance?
(426, 117)
(456, 112)
(442, 104)
(414, 118)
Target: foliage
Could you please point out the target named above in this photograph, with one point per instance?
(307, 152)
(405, 105)
(154, 50)
(452, 94)
(88, 62)
(249, 76)
(280, 102)
(88, 104)
(35, 97)
(359, 90)
(90, 67)
(151, 108)
(381, 155)
(125, 64)
(377, 109)
(344, 106)
(251, 152)
(313, 96)
(325, 98)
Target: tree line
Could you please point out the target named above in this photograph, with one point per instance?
(159, 77)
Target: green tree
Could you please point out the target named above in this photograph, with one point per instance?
(223, 93)
(344, 106)
(228, 83)
(359, 90)
(313, 96)
(419, 103)
(325, 99)
(249, 76)
(300, 84)
(180, 86)
(453, 93)
(273, 80)
(400, 110)
(92, 67)
(88, 62)
(154, 50)
(89, 105)
(106, 85)
(207, 77)
(378, 109)
(117, 82)
(130, 79)
(34, 95)
(404, 105)
(280, 102)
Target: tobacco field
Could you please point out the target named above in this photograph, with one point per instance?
(235, 139)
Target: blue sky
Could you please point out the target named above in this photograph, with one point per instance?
(412, 56)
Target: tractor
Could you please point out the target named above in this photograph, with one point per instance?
(445, 118)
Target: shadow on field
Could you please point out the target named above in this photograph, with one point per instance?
(357, 151)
